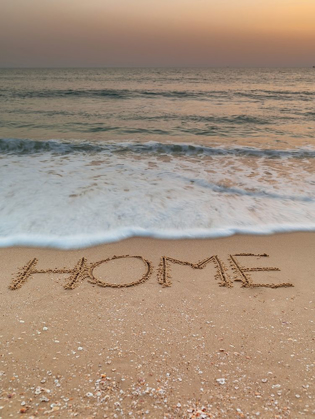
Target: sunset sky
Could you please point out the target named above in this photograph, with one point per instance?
(92, 33)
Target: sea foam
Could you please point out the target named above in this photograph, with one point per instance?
(76, 194)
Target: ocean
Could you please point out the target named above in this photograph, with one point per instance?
(90, 156)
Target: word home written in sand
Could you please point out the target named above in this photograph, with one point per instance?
(84, 270)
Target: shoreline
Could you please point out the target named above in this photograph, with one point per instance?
(178, 338)
(81, 242)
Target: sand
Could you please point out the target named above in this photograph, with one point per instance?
(177, 341)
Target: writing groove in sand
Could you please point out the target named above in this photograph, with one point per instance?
(83, 270)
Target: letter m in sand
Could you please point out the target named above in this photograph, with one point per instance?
(164, 270)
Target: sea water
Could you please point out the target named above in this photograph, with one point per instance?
(89, 156)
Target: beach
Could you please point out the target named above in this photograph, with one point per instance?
(213, 340)
(157, 209)
(157, 240)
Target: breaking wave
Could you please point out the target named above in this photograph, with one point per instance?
(81, 193)
(24, 146)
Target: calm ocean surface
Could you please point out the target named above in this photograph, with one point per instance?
(90, 156)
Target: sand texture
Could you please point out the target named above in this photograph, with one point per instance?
(160, 329)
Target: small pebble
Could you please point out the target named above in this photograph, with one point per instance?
(220, 380)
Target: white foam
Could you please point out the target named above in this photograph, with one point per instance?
(85, 240)
(91, 195)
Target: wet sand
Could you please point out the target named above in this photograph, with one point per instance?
(176, 341)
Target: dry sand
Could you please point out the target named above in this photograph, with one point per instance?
(193, 349)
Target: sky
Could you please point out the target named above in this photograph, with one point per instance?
(157, 33)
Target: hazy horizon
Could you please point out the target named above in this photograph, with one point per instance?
(186, 33)
(166, 67)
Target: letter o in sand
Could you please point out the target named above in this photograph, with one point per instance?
(97, 281)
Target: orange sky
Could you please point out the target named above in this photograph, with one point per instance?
(157, 33)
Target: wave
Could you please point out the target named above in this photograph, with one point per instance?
(277, 94)
(81, 241)
(233, 119)
(175, 94)
(25, 146)
(77, 194)
(110, 93)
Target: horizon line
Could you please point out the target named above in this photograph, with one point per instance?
(147, 67)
